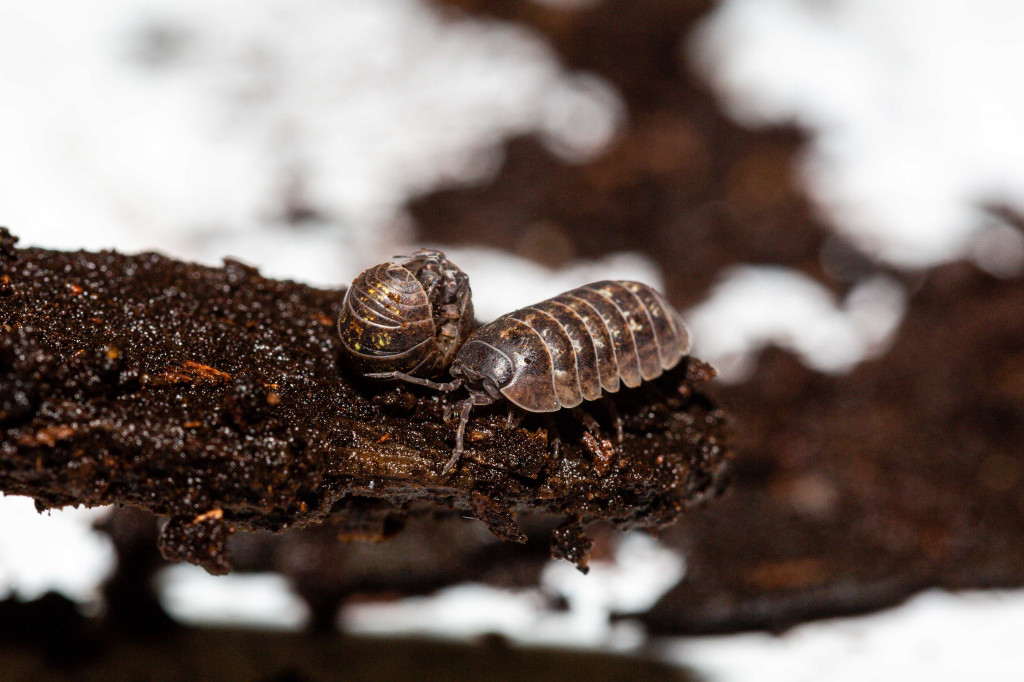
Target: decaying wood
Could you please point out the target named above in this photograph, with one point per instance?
(214, 397)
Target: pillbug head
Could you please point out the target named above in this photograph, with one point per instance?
(410, 316)
(483, 369)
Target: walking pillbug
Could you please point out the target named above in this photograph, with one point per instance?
(566, 350)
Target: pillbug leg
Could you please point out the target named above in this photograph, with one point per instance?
(552, 428)
(602, 451)
(613, 412)
(467, 406)
(402, 376)
(587, 420)
(513, 418)
(600, 448)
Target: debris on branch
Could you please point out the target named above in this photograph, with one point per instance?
(215, 397)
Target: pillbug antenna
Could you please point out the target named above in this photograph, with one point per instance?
(419, 381)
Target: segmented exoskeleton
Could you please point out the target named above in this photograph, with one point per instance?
(565, 350)
(409, 317)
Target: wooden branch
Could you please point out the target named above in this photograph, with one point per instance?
(214, 396)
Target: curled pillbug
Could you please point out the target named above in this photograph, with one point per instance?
(409, 317)
(561, 352)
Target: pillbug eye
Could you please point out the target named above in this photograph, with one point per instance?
(409, 317)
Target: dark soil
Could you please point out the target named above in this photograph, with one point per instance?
(853, 492)
(214, 396)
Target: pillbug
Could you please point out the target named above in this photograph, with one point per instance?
(409, 317)
(566, 350)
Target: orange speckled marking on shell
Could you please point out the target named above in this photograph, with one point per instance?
(390, 320)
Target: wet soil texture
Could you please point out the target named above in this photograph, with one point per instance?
(214, 397)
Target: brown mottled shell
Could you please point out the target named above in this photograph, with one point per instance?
(573, 347)
(411, 316)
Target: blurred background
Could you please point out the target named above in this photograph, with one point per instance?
(831, 190)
